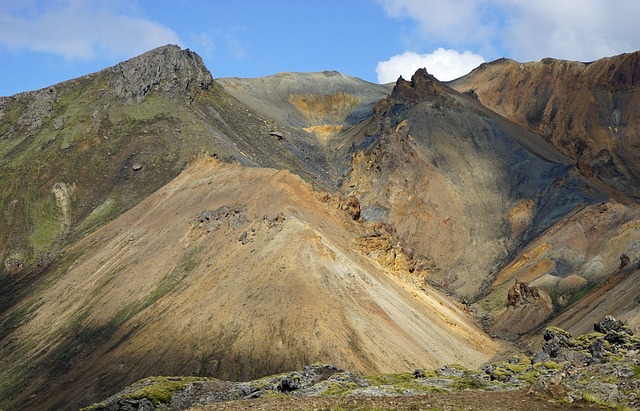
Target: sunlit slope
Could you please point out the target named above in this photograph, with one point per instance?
(226, 271)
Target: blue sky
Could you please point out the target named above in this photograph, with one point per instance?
(43, 42)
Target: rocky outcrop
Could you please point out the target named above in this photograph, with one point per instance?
(527, 307)
(233, 216)
(610, 324)
(174, 72)
(433, 151)
(624, 261)
(422, 86)
(563, 371)
(348, 204)
(610, 341)
(521, 293)
(381, 243)
(13, 265)
(180, 393)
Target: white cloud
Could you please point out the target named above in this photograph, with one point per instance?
(460, 22)
(571, 29)
(82, 30)
(444, 64)
(524, 30)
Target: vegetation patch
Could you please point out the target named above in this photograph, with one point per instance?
(159, 390)
(517, 368)
(545, 366)
(393, 379)
(99, 214)
(335, 388)
(45, 222)
(529, 377)
(582, 292)
(469, 383)
(94, 407)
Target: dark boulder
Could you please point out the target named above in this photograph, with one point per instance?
(611, 324)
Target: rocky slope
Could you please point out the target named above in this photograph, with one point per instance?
(599, 369)
(587, 263)
(408, 163)
(239, 283)
(79, 153)
(588, 110)
(462, 186)
(326, 110)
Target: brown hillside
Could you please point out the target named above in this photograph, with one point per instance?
(576, 265)
(590, 111)
(230, 272)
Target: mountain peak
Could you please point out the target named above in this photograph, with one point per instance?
(170, 69)
(421, 87)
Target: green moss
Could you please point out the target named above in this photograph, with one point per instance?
(588, 397)
(559, 331)
(517, 368)
(338, 388)
(467, 383)
(521, 359)
(395, 379)
(10, 117)
(459, 368)
(617, 358)
(161, 389)
(548, 365)
(581, 293)
(496, 300)
(94, 407)
(262, 383)
(584, 341)
(501, 374)
(99, 214)
(552, 365)
(530, 377)
(44, 220)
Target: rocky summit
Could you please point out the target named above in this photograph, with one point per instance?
(201, 238)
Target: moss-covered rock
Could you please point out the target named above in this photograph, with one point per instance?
(160, 389)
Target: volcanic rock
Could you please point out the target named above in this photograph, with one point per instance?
(522, 293)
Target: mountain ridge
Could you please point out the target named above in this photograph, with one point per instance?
(587, 110)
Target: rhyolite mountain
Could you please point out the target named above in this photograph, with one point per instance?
(158, 221)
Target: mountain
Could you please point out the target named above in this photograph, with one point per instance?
(588, 110)
(239, 282)
(159, 221)
(325, 110)
(464, 188)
